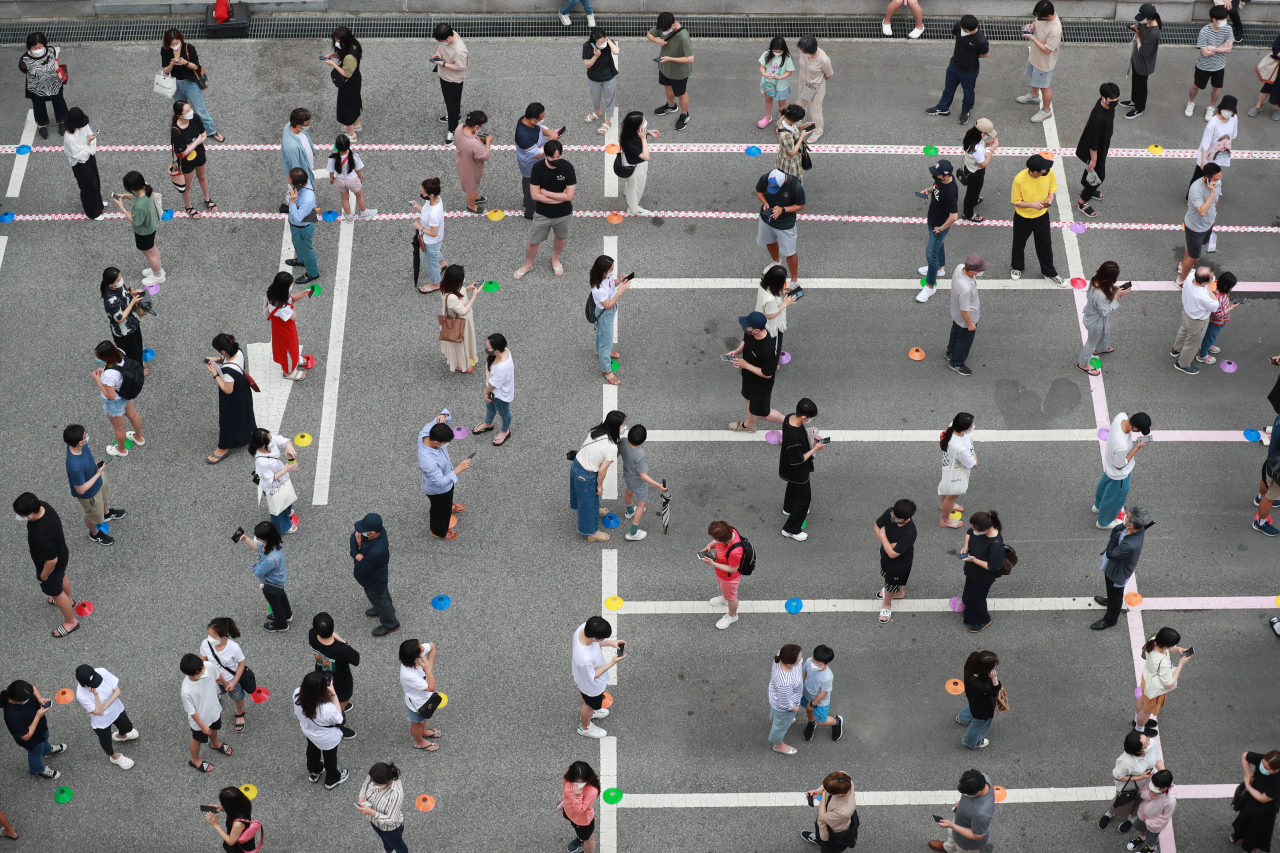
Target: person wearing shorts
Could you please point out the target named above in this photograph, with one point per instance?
(89, 483)
(781, 198)
(49, 552)
(1045, 37)
(897, 534)
(1202, 211)
(552, 182)
(204, 712)
(346, 173)
(675, 64)
(816, 698)
(591, 673)
(635, 474)
(1214, 41)
(417, 662)
(757, 358)
(581, 787)
(724, 554)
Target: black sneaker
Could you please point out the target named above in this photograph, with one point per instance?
(808, 835)
(1190, 369)
(115, 513)
(305, 279)
(102, 538)
(1125, 826)
(838, 729)
(962, 369)
(1126, 103)
(444, 118)
(341, 779)
(682, 122)
(1133, 113)
(808, 730)
(314, 777)
(57, 749)
(934, 111)
(575, 846)
(349, 734)
(964, 117)
(383, 630)
(44, 132)
(49, 773)
(371, 612)
(1104, 821)
(664, 109)
(273, 628)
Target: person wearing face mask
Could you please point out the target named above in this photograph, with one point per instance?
(440, 476)
(187, 136)
(798, 447)
(979, 144)
(943, 212)
(552, 183)
(958, 459)
(581, 787)
(971, 46)
(606, 290)
(1253, 827)
(296, 148)
(1197, 224)
(1033, 193)
(600, 54)
(1212, 44)
(793, 134)
(280, 307)
(119, 379)
(1267, 71)
(776, 69)
(44, 86)
(531, 135)
(1156, 805)
(500, 388)
(473, 151)
(1102, 300)
(984, 545)
(89, 484)
(429, 236)
(123, 313)
(450, 61)
(981, 688)
(345, 62)
(178, 59)
(1095, 142)
(1158, 678)
(81, 146)
(964, 312)
(675, 65)
(632, 163)
(48, 547)
(1141, 758)
(1215, 147)
(1142, 59)
(588, 468)
(236, 421)
(271, 572)
(273, 476)
(346, 171)
(897, 535)
(143, 214)
(380, 800)
(1126, 436)
(815, 71)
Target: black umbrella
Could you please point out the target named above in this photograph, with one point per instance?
(666, 506)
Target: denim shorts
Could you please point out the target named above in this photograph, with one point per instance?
(236, 693)
(114, 408)
(415, 717)
(820, 712)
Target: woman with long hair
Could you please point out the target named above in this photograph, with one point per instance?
(500, 388)
(346, 172)
(587, 472)
(81, 145)
(236, 420)
(1256, 823)
(577, 804)
(772, 302)
(428, 235)
(786, 689)
(460, 355)
(981, 687)
(418, 682)
(280, 308)
(221, 650)
(792, 137)
(109, 378)
(979, 144)
(1103, 298)
(179, 59)
(274, 459)
(380, 800)
(776, 69)
(122, 309)
(1158, 678)
(187, 136)
(983, 555)
(600, 56)
(345, 62)
(633, 136)
(958, 457)
(606, 290)
(144, 217)
(237, 837)
(271, 572)
(472, 152)
(319, 714)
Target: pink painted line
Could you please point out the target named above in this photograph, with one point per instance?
(1243, 286)
(1243, 602)
(1199, 435)
(1204, 792)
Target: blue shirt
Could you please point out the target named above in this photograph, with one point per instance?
(302, 207)
(296, 152)
(435, 465)
(817, 680)
(80, 470)
(270, 567)
(529, 142)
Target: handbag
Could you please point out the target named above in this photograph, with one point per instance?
(962, 175)
(1125, 797)
(164, 85)
(248, 680)
(806, 162)
(282, 499)
(62, 73)
(1266, 68)
(202, 76)
(429, 707)
(1010, 560)
(1002, 701)
(1239, 797)
(621, 167)
(452, 329)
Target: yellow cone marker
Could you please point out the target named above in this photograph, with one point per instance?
(302, 439)
(613, 602)
(249, 791)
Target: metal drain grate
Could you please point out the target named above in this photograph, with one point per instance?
(545, 26)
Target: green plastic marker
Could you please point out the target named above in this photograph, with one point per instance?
(490, 287)
(1095, 363)
(931, 151)
(64, 795)
(612, 796)
(613, 365)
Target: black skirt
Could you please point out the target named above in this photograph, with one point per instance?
(236, 422)
(1254, 830)
(349, 103)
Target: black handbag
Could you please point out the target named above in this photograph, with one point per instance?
(846, 839)
(806, 162)
(248, 680)
(621, 167)
(429, 707)
(1239, 798)
(962, 175)
(1124, 798)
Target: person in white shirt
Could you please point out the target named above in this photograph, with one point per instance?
(591, 673)
(319, 713)
(99, 693)
(417, 678)
(500, 388)
(430, 236)
(1141, 758)
(1199, 300)
(1126, 436)
(81, 145)
(204, 712)
(1158, 678)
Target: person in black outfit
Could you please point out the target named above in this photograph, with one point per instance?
(1119, 561)
(346, 76)
(179, 59)
(122, 309)
(187, 136)
(971, 45)
(981, 686)
(795, 466)
(24, 716)
(984, 560)
(236, 420)
(371, 555)
(48, 546)
(757, 358)
(1142, 59)
(897, 534)
(334, 657)
(1093, 146)
(1253, 827)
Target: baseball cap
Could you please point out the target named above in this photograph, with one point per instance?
(985, 125)
(1145, 11)
(1141, 421)
(754, 320)
(776, 179)
(371, 523)
(1038, 163)
(87, 676)
(975, 262)
(942, 167)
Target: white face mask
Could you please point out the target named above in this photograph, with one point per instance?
(1154, 790)
(19, 517)
(578, 786)
(644, 125)
(668, 32)
(188, 115)
(602, 45)
(1226, 113)
(777, 53)
(177, 45)
(980, 274)
(337, 45)
(37, 52)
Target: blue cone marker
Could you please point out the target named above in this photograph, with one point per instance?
(794, 605)
(441, 602)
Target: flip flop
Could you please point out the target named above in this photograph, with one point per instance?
(62, 632)
(225, 749)
(1105, 351)
(955, 526)
(1092, 371)
(431, 747)
(557, 269)
(458, 508)
(590, 118)
(431, 733)
(482, 428)
(521, 273)
(505, 439)
(975, 218)
(220, 137)
(204, 766)
(239, 722)
(214, 459)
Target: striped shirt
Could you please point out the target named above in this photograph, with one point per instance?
(1209, 37)
(785, 688)
(1221, 316)
(386, 801)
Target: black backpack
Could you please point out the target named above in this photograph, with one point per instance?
(748, 563)
(131, 371)
(1273, 467)
(592, 316)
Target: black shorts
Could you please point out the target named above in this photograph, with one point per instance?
(1215, 77)
(678, 87)
(1195, 240)
(52, 585)
(595, 703)
(758, 397)
(583, 832)
(200, 737)
(144, 242)
(895, 579)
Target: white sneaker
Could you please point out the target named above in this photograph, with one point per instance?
(916, 33)
(350, 217)
(369, 213)
(886, 29)
(925, 293)
(725, 621)
(1114, 523)
(1212, 246)
(1015, 274)
(639, 534)
(1093, 508)
(119, 738)
(1029, 98)
(799, 537)
(1190, 110)
(591, 20)
(1041, 115)
(157, 278)
(642, 211)
(771, 265)
(1209, 113)
(925, 270)
(564, 19)
(718, 601)
(601, 714)
(592, 731)
(124, 762)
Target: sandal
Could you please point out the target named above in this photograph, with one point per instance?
(521, 273)
(885, 616)
(431, 733)
(499, 442)
(202, 767)
(431, 747)
(1086, 209)
(220, 137)
(429, 289)
(1092, 371)
(976, 218)
(602, 129)
(954, 508)
(1105, 351)
(557, 269)
(612, 379)
(214, 459)
(945, 523)
(211, 205)
(590, 118)
(482, 428)
(62, 632)
(192, 213)
(225, 749)
(239, 722)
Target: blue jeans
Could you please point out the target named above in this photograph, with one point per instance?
(935, 254)
(779, 722)
(189, 91)
(583, 498)
(392, 839)
(35, 766)
(977, 728)
(604, 337)
(302, 249)
(498, 407)
(435, 253)
(1210, 335)
(282, 521)
(958, 78)
(569, 4)
(1110, 497)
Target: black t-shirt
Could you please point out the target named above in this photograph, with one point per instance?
(1097, 132)
(181, 137)
(968, 49)
(981, 694)
(555, 180)
(792, 466)
(632, 148)
(18, 718)
(604, 68)
(942, 202)
(789, 194)
(337, 658)
(989, 549)
(187, 52)
(47, 542)
(763, 354)
(903, 540)
(1263, 784)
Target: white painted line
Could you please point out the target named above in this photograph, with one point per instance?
(610, 476)
(939, 605)
(20, 160)
(4, 242)
(609, 588)
(607, 842)
(270, 403)
(286, 248)
(837, 284)
(333, 366)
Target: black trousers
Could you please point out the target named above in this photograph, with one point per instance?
(1138, 91)
(281, 612)
(452, 93)
(974, 191)
(975, 601)
(104, 735)
(1237, 25)
(326, 760)
(1115, 598)
(1087, 190)
(441, 509)
(796, 501)
(959, 343)
(1023, 228)
(90, 186)
(42, 112)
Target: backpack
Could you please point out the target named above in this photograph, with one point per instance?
(131, 371)
(1273, 467)
(1010, 560)
(592, 315)
(748, 563)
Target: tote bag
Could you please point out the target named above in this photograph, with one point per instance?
(283, 498)
(452, 329)
(164, 85)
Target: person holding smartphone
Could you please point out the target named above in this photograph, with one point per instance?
(238, 809)
(381, 797)
(450, 60)
(795, 464)
(606, 290)
(773, 300)
(983, 556)
(271, 572)
(1158, 678)
(24, 716)
(836, 827)
(591, 673)
(439, 475)
(971, 827)
(1128, 434)
(319, 713)
(89, 484)
(417, 679)
(599, 55)
(473, 151)
(1102, 300)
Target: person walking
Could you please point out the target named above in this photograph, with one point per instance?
(439, 476)
(1197, 225)
(1101, 302)
(381, 798)
(632, 162)
(1213, 43)
(589, 465)
(144, 216)
(199, 694)
(273, 476)
(757, 358)
(271, 572)
(242, 830)
(916, 11)
(499, 389)
(815, 71)
(635, 476)
(9, 831)
(1158, 678)
(44, 82)
(81, 146)
(296, 148)
(89, 484)
(781, 197)
(793, 135)
(1215, 146)
(818, 681)
(346, 172)
(187, 136)
(24, 716)
(236, 420)
(1033, 193)
(836, 827)
(319, 713)
(971, 46)
(48, 547)
(1142, 57)
(451, 58)
(1126, 436)
(1119, 560)
(119, 381)
(417, 679)
(1199, 301)
(1095, 142)
(795, 464)
(964, 312)
(473, 151)
(943, 213)
(1141, 758)
(897, 534)
(280, 308)
(591, 673)
(983, 555)
(334, 658)
(372, 557)
(981, 687)
(970, 829)
(725, 553)
(1256, 822)
(123, 312)
(675, 65)
(429, 234)
(98, 692)
(606, 290)
(581, 787)
(230, 670)
(460, 355)
(345, 74)
(1155, 809)
(1266, 71)
(772, 301)
(1045, 35)
(552, 183)
(786, 689)
(302, 225)
(776, 69)
(531, 135)
(979, 144)
(599, 55)
(958, 459)
(1220, 317)
(179, 59)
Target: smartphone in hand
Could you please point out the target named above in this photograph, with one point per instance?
(963, 555)
(1189, 652)
(936, 819)
(102, 462)
(209, 809)
(657, 59)
(622, 649)
(237, 535)
(825, 440)
(797, 292)
(727, 357)
(324, 59)
(1127, 285)
(48, 703)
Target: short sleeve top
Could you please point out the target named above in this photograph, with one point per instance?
(604, 68)
(596, 451)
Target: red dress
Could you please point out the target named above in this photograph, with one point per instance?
(284, 335)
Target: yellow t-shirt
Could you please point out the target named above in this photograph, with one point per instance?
(1027, 188)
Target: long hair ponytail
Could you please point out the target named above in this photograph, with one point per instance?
(961, 422)
(984, 521)
(1164, 638)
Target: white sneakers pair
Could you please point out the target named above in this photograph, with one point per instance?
(914, 34)
(148, 277)
(725, 620)
(591, 20)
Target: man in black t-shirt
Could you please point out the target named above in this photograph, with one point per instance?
(1094, 144)
(781, 198)
(897, 534)
(552, 182)
(48, 546)
(971, 45)
(944, 210)
(757, 358)
(795, 465)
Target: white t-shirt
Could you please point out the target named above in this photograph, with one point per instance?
(979, 154)
(502, 376)
(1157, 674)
(201, 697)
(333, 165)
(596, 451)
(230, 657)
(1119, 443)
(432, 216)
(766, 304)
(109, 713)
(586, 660)
(1217, 138)
(267, 462)
(322, 731)
(414, 682)
(1136, 765)
(1198, 301)
(113, 377)
(960, 449)
(603, 292)
(284, 312)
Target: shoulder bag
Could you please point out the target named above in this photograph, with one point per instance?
(1125, 796)
(247, 378)
(202, 76)
(621, 167)
(248, 680)
(452, 329)
(806, 162)
(283, 498)
(1266, 68)
(1010, 560)
(429, 707)
(62, 68)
